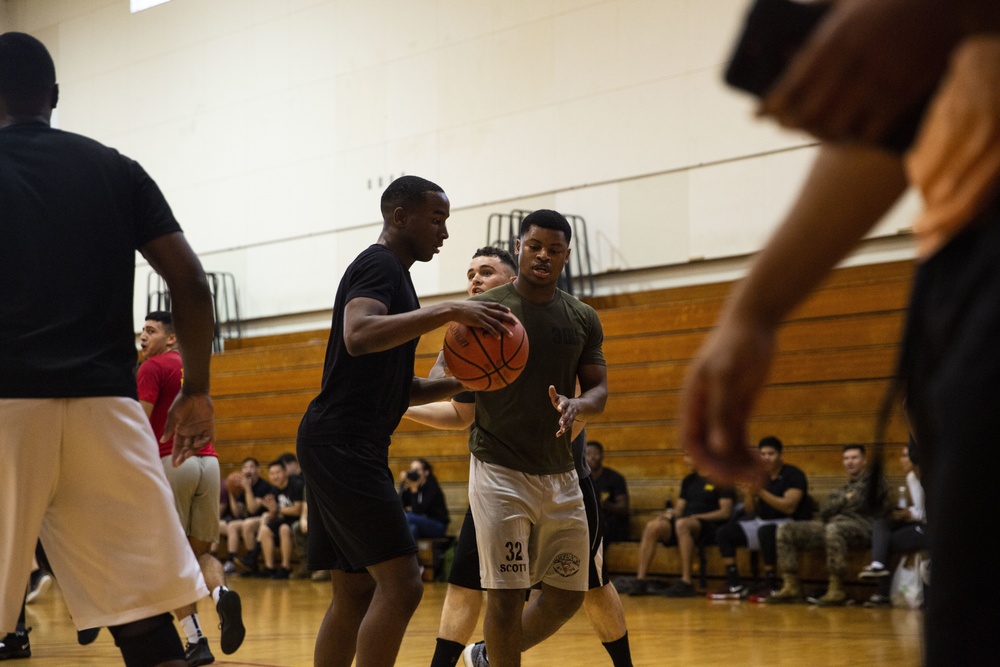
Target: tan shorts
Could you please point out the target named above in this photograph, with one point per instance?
(530, 528)
(85, 474)
(195, 484)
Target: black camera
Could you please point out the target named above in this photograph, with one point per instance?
(413, 475)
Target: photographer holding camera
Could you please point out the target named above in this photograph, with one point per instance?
(423, 501)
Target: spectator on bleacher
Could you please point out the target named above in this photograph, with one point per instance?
(255, 490)
(902, 532)
(784, 498)
(612, 493)
(423, 501)
(845, 520)
(701, 509)
(284, 505)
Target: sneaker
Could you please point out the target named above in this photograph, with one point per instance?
(474, 655)
(871, 572)
(321, 575)
(266, 573)
(198, 654)
(40, 582)
(230, 610)
(680, 589)
(737, 592)
(762, 593)
(640, 587)
(281, 573)
(229, 567)
(15, 645)
(876, 601)
(84, 637)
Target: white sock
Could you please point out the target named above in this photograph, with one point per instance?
(217, 593)
(877, 565)
(192, 628)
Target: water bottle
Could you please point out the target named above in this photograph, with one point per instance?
(902, 498)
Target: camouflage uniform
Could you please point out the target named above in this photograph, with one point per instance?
(844, 521)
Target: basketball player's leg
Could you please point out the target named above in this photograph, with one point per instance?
(463, 599)
(601, 603)
(376, 605)
(30, 440)
(123, 579)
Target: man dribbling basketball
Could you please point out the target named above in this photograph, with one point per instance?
(358, 529)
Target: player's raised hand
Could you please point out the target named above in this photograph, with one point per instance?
(487, 315)
(191, 423)
(719, 392)
(567, 409)
(867, 64)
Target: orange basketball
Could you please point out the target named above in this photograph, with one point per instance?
(482, 362)
(234, 482)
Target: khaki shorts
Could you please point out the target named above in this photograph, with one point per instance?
(195, 484)
(85, 474)
(530, 528)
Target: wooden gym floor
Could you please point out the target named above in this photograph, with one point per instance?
(282, 618)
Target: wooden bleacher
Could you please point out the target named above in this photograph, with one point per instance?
(833, 362)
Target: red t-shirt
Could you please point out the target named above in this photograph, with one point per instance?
(159, 381)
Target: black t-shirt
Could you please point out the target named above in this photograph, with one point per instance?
(364, 397)
(789, 477)
(701, 496)
(72, 214)
(292, 493)
(611, 485)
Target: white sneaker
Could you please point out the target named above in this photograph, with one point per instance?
(474, 655)
(44, 581)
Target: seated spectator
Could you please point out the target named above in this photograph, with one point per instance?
(423, 501)
(845, 520)
(284, 505)
(901, 533)
(254, 491)
(784, 498)
(701, 508)
(612, 494)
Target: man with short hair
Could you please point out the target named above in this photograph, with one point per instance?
(531, 523)
(612, 494)
(284, 506)
(784, 498)
(845, 520)
(493, 267)
(357, 527)
(195, 485)
(255, 489)
(74, 214)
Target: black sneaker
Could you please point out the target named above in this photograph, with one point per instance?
(876, 601)
(230, 609)
(737, 592)
(266, 573)
(474, 655)
(84, 637)
(680, 589)
(198, 654)
(872, 572)
(15, 645)
(640, 587)
(281, 573)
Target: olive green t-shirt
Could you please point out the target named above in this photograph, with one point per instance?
(516, 426)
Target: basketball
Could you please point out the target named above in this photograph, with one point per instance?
(482, 362)
(234, 482)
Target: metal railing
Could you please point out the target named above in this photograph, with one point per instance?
(225, 304)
